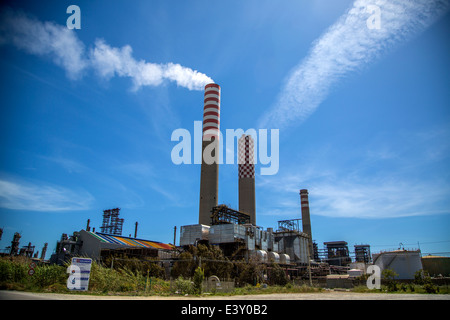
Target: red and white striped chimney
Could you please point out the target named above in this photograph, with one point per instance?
(211, 112)
(209, 175)
(306, 219)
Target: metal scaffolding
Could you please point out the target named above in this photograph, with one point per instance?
(112, 224)
(222, 214)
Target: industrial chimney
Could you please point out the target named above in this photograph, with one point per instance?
(306, 220)
(246, 166)
(209, 176)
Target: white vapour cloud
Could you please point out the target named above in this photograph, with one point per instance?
(109, 61)
(62, 45)
(348, 46)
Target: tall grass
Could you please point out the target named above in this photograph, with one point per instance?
(124, 280)
(14, 275)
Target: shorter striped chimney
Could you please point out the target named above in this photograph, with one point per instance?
(246, 165)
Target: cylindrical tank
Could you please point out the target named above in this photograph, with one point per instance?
(285, 259)
(261, 255)
(274, 257)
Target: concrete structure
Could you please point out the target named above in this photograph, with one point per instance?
(306, 220)
(246, 163)
(209, 176)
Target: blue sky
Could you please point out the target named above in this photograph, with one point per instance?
(363, 115)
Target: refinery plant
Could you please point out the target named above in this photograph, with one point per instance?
(234, 230)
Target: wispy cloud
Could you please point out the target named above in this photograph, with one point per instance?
(40, 197)
(379, 199)
(402, 178)
(46, 39)
(352, 196)
(348, 46)
(65, 49)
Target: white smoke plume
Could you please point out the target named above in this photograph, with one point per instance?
(109, 61)
(349, 46)
(66, 50)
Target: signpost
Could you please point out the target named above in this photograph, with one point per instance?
(80, 271)
(32, 265)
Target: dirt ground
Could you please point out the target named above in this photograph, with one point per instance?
(328, 295)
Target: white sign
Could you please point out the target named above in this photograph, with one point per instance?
(80, 271)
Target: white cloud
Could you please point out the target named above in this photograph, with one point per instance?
(39, 197)
(391, 178)
(68, 51)
(348, 46)
(352, 196)
(379, 199)
(44, 39)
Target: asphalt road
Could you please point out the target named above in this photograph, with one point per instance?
(330, 295)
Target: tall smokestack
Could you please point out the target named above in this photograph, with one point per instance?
(306, 220)
(44, 251)
(209, 176)
(246, 165)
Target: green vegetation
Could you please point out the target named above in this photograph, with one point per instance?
(422, 284)
(134, 277)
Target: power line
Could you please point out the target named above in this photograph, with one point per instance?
(408, 244)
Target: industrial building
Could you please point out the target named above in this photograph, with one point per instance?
(26, 251)
(236, 232)
(436, 266)
(96, 245)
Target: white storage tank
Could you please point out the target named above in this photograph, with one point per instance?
(284, 258)
(274, 257)
(261, 255)
(403, 262)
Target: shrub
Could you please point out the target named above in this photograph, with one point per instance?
(389, 275)
(199, 276)
(14, 269)
(48, 275)
(277, 276)
(184, 286)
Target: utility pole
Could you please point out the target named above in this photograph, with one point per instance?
(309, 262)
